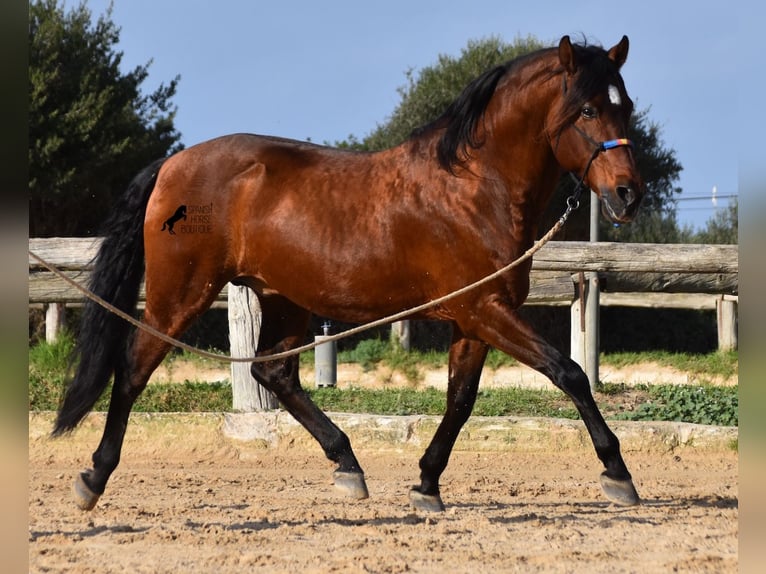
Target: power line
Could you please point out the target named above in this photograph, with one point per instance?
(708, 208)
(706, 197)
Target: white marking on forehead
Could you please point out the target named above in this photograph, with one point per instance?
(614, 95)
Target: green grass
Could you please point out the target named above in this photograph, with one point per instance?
(48, 365)
(724, 364)
(47, 372)
(695, 404)
(371, 352)
(702, 404)
(185, 357)
(189, 396)
(430, 401)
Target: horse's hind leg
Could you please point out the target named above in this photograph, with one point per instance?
(466, 359)
(143, 357)
(129, 382)
(283, 327)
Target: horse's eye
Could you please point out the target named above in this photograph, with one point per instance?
(589, 112)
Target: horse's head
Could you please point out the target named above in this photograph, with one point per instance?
(587, 127)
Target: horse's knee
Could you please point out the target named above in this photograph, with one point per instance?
(274, 375)
(263, 374)
(573, 381)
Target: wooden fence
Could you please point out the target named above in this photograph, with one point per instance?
(628, 274)
(622, 268)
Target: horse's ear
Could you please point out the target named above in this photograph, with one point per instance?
(619, 53)
(566, 55)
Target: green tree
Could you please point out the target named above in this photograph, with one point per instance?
(650, 226)
(90, 127)
(722, 228)
(428, 93)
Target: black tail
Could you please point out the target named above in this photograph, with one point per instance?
(119, 268)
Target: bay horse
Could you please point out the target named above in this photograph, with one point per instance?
(355, 236)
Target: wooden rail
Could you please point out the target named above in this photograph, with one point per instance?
(629, 274)
(622, 268)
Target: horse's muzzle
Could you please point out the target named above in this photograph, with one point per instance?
(621, 204)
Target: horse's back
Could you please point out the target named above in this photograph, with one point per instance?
(256, 207)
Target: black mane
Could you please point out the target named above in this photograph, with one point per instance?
(462, 117)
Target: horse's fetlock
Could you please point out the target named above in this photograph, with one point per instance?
(339, 450)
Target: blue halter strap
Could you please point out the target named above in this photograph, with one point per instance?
(573, 201)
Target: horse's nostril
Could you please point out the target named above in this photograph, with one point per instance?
(626, 194)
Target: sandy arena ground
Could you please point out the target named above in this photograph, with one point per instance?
(209, 504)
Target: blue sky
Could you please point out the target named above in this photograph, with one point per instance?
(327, 69)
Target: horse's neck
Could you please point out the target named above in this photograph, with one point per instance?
(517, 147)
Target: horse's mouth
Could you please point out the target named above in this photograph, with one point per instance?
(627, 214)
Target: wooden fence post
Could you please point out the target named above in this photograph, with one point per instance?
(400, 334)
(244, 328)
(577, 322)
(726, 313)
(55, 321)
(584, 328)
(592, 328)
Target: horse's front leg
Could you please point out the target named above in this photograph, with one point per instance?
(501, 327)
(281, 378)
(283, 328)
(466, 359)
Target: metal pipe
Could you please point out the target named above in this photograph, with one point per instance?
(592, 305)
(325, 359)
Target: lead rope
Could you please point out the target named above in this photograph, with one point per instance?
(572, 204)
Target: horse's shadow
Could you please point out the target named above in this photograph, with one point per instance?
(711, 501)
(510, 513)
(548, 511)
(346, 522)
(90, 532)
(514, 513)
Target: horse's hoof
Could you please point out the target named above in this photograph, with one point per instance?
(620, 492)
(84, 497)
(427, 502)
(351, 484)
